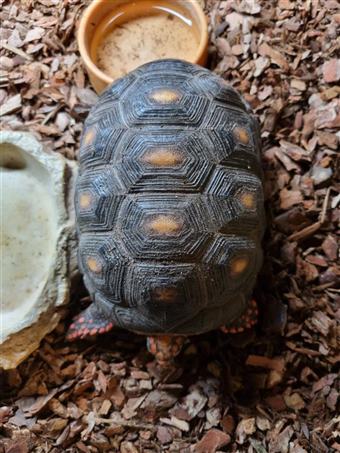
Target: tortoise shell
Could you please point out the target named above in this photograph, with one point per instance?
(169, 201)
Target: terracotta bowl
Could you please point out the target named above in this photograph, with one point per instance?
(99, 9)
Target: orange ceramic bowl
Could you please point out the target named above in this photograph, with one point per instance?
(99, 9)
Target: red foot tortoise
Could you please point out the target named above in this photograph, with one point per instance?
(169, 207)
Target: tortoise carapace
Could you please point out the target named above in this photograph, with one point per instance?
(169, 205)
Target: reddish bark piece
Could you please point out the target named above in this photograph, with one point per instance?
(290, 198)
(330, 247)
(286, 4)
(228, 424)
(327, 380)
(274, 55)
(294, 401)
(20, 446)
(211, 441)
(276, 363)
(317, 260)
(164, 435)
(331, 70)
(5, 413)
(276, 402)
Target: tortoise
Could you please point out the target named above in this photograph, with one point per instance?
(169, 207)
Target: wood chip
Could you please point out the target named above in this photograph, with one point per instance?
(211, 442)
(11, 105)
(275, 56)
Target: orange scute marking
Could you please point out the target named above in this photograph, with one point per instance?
(89, 136)
(164, 224)
(85, 200)
(239, 265)
(241, 135)
(165, 96)
(163, 158)
(248, 200)
(93, 265)
(165, 294)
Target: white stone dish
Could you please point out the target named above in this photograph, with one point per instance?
(37, 243)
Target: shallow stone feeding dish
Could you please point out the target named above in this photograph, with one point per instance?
(37, 243)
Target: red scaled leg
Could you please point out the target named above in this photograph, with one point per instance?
(165, 348)
(89, 322)
(246, 321)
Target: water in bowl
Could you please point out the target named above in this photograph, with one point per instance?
(140, 32)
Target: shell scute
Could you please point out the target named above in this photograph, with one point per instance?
(190, 111)
(187, 243)
(187, 173)
(99, 150)
(146, 281)
(105, 194)
(106, 274)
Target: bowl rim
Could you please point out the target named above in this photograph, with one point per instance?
(87, 16)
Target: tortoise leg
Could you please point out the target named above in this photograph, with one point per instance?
(165, 348)
(246, 321)
(91, 321)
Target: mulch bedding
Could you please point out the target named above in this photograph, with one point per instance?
(272, 390)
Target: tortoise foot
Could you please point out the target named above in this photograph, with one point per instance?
(165, 348)
(246, 321)
(89, 322)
